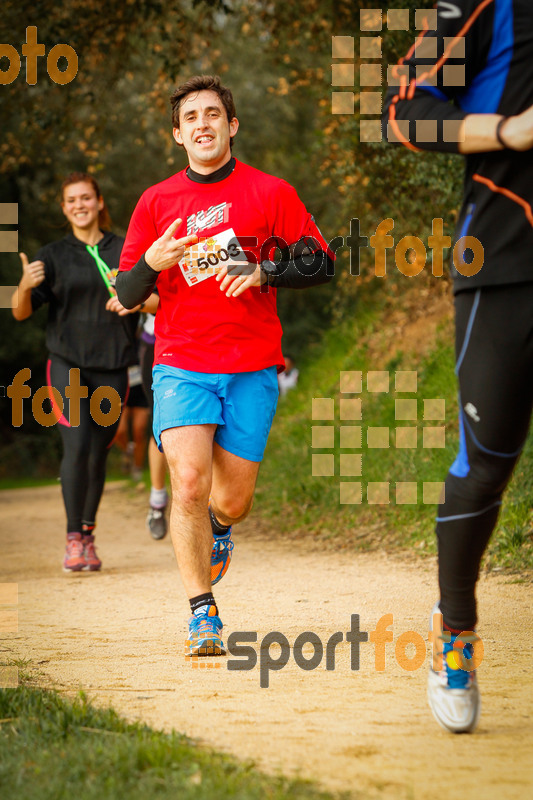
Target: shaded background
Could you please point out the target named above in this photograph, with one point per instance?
(113, 120)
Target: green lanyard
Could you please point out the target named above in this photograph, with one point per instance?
(103, 269)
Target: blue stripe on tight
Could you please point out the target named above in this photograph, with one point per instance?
(468, 333)
(460, 467)
(486, 449)
(468, 516)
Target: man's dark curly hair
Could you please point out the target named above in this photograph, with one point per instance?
(199, 83)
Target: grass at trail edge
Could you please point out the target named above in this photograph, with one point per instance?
(52, 748)
(290, 498)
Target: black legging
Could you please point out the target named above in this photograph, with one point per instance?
(494, 351)
(146, 360)
(86, 445)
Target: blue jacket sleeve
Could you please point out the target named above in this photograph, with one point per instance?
(426, 99)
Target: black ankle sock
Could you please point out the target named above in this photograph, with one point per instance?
(88, 528)
(216, 526)
(202, 600)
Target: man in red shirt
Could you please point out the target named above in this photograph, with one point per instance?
(206, 236)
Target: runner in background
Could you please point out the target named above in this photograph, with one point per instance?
(218, 336)
(288, 379)
(91, 341)
(131, 436)
(156, 520)
(469, 90)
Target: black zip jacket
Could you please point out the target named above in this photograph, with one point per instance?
(493, 75)
(79, 328)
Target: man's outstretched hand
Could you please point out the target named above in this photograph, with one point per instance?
(166, 251)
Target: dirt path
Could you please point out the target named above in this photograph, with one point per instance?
(119, 635)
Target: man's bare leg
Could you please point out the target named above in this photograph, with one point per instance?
(233, 486)
(231, 499)
(189, 453)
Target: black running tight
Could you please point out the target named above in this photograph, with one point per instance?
(494, 350)
(86, 445)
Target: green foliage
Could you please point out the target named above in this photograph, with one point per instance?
(115, 116)
(53, 749)
(512, 544)
(113, 109)
(296, 502)
(113, 120)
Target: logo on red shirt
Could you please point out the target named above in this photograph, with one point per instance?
(214, 215)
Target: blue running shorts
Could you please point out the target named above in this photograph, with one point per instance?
(241, 404)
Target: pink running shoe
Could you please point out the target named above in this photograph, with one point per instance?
(74, 560)
(92, 562)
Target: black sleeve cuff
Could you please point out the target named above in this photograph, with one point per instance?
(136, 285)
(300, 272)
(401, 124)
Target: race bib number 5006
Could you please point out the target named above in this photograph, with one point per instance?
(210, 255)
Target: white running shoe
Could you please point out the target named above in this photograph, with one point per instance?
(453, 692)
(156, 522)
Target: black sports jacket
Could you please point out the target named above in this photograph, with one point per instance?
(478, 60)
(79, 328)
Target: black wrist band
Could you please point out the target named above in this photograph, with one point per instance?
(270, 268)
(499, 134)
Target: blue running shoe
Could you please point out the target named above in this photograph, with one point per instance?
(453, 692)
(205, 627)
(220, 556)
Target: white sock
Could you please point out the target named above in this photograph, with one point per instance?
(158, 498)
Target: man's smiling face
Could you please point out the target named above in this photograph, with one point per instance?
(204, 131)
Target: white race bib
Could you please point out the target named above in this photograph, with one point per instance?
(210, 255)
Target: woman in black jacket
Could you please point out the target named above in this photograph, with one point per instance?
(91, 343)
